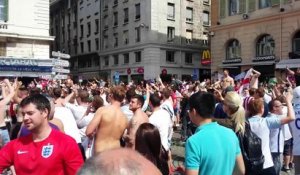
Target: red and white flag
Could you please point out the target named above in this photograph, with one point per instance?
(246, 81)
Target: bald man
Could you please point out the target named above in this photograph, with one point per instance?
(119, 161)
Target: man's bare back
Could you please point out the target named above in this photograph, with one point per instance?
(138, 118)
(110, 124)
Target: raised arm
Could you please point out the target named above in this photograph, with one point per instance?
(93, 125)
(289, 71)
(146, 103)
(256, 73)
(10, 95)
(290, 110)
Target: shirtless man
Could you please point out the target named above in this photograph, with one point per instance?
(139, 117)
(254, 79)
(109, 122)
(227, 80)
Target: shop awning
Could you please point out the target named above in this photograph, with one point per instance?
(290, 63)
(265, 63)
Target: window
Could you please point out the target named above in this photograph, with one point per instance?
(96, 26)
(96, 61)
(105, 21)
(189, 36)
(89, 45)
(137, 34)
(89, 62)
(106, 61)
(126, 58)
(62, 35)
(115, 2)
(116, 59)
(138, 57)
(205, 18)
(296, 43)
(126, 15)
(105, 42)
(189, 14)
(188, 58)
(81, 31)
(171, 11)
(205, 1)
(264, 3)
(115, 18)
(105, 4)
(125, 37)
(265, 46)
(115, 40)
(233, 7)
(82, 47)
(2, 49)
(89, 29)
(170, 56)
(137, 11)
(171, 33)
(233, 50)
(97, 43)
(3, 10)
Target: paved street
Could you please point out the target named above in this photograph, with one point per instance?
(178, 152)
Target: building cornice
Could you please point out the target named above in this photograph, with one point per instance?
(255, 21)
(152, 45)
(32, 37)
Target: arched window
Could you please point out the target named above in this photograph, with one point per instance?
(296, 42)
(233, 50)
(265, 46)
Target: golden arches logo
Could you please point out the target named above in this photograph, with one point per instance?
(206, 58)
(205, 55)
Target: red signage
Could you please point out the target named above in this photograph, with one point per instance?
(128, 71)
(206, 57)
(140, 70)
(164, 71)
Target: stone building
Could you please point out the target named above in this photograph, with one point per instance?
(24, 34)
(264, 34)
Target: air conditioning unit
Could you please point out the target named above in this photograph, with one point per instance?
(245, 16)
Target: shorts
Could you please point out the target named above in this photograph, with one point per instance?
(175, 111)
(288, 147)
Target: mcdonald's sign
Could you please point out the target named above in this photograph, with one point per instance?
(206, 57)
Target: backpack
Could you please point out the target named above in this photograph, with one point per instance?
(251, 150)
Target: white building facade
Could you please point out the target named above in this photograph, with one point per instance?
(24, 31)
(136, 39)
(144, 39)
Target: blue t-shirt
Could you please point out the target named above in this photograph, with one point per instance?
(212, 150)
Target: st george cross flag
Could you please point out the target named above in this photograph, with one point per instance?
(246, 81)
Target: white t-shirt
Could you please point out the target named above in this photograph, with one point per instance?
(103, 96)
(161, 119)
(295, 127)
(286, 129)
(168, 106)
(67, 118)
(83, 123)
(276, 137)
(261, 127)
(77, 110)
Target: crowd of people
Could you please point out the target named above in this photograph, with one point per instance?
(60, 127)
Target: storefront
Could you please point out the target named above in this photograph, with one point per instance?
(127, 74)
(24, 67)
